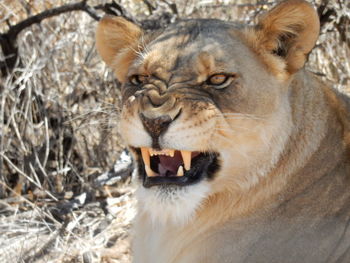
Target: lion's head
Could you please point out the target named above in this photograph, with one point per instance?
(206, 105)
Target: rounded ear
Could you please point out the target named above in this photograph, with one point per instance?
(289, 31)
(117, 43)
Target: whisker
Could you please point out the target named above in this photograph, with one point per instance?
(233, 128)
(226, 130)
(238, 117)
(223, 137)
(237, 113)
(92, 113)
(233, 148)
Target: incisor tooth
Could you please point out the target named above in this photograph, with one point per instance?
(186, 157)
(149, 171)
(145, 156)
(167, 152)
(180, 171)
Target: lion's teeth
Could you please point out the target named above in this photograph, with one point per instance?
(186, 157)
(149, 171)
(148, 152)
(167, 152)
(180, 171)
(145, 156)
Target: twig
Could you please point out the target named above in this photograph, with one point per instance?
(8, 39)
(26, 176)
(31, 204)
(150, 7)
(16, 29)
(172, 6)
(47, 149)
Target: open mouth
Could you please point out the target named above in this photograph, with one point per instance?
(175, 167)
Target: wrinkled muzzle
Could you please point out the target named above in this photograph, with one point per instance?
(158, 112)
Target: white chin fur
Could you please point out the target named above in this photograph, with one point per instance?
(176, 205)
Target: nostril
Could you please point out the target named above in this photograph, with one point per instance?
(156, 126)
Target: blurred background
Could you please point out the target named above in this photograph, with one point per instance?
(65, 178)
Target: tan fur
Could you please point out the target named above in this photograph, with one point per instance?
(282, 191)
(295, 20)
(117, 35)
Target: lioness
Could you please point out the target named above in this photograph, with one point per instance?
(242, 155)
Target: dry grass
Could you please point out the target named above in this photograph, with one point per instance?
(58, 129)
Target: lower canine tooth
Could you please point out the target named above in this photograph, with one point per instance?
(186, 157)
(180, 171)
(149, 171)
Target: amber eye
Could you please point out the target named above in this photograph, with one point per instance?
(219, 80)
(137, 79)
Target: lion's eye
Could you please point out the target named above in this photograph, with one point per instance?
(137, 79)
(219, 80)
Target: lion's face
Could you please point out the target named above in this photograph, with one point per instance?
(201, 113)
(196, 104)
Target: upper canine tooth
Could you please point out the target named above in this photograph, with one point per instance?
(145, 156)
(180, 171)
(149, 171)
(186, 157)
(171, 153)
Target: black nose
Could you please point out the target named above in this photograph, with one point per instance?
(156, 126)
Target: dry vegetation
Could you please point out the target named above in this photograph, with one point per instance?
(63, 195)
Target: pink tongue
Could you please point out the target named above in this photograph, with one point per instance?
(168, 163)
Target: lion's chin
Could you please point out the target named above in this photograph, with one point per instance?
(172, 204)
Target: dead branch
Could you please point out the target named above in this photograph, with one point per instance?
(328, 14)
(8, 39)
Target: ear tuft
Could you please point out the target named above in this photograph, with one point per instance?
(116, 42)
(289, 31)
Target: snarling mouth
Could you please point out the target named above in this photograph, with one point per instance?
(175, 167)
